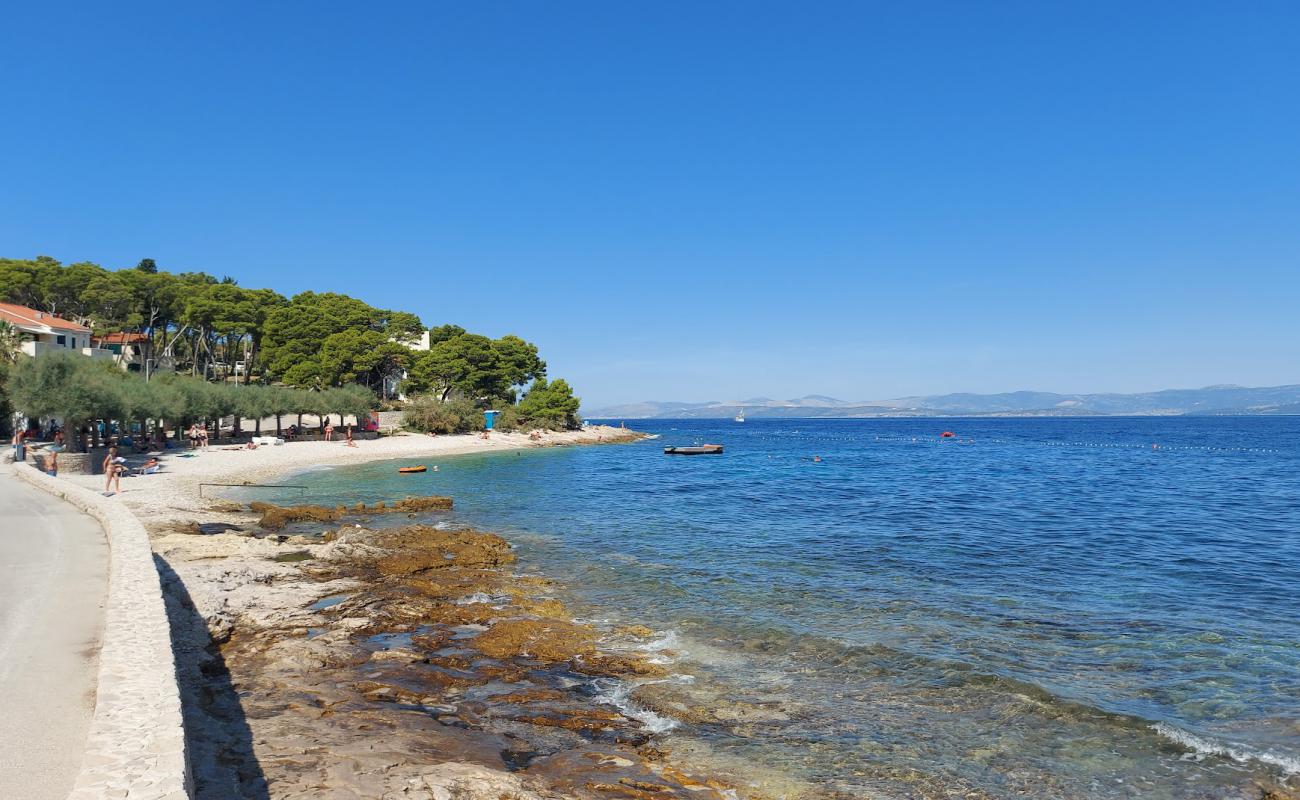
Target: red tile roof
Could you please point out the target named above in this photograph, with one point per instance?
(121, 337)
(30, 317)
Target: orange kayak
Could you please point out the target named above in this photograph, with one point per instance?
(420, 468)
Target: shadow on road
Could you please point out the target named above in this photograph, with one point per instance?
(217, 736)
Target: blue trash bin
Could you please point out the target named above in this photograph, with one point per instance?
(489, 419)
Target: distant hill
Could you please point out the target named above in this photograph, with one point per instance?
(1211, 400)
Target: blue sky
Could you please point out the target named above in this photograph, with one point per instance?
(701, 200)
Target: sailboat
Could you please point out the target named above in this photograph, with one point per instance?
(741, 416)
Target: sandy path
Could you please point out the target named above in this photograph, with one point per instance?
(53, 583)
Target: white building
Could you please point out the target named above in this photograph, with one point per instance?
(43, 333)
(393, 382)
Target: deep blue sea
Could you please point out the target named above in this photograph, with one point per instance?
(1094, 607)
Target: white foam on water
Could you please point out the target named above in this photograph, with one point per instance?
(619, 695)
(666, 641)
(1234, 750)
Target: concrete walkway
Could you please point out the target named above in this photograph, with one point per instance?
(53, 584)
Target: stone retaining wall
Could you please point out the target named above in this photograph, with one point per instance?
(136, 745)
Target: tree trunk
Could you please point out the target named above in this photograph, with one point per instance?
(234, 432)
(257, 427)
(277, 426)
(299, 420)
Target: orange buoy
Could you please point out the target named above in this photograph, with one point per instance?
(407, 470)
(947, 434)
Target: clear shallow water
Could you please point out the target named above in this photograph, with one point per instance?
(1039, 606)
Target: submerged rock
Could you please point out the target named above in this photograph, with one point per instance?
(276, 517)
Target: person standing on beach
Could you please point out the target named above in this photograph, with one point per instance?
(113, 469)
(329, 431)
(350, 442)
(52, 463)
(20, 452)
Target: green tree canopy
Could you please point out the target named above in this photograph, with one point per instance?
(550, 405)
(322, 340)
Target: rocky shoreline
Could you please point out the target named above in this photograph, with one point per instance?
(407, 662)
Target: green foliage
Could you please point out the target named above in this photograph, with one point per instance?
(508, 420)
(550, 405)
(194, 322)
(474, 367)
(444, 332)
(68, 386)
(6, 408)
(519, 360)
(78, 390)
(428, 414)
(321, 340)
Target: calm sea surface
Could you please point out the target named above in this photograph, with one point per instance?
(1036, 607)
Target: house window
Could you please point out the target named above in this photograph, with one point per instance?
(61, 339)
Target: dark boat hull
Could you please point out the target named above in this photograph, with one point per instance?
(700, 450)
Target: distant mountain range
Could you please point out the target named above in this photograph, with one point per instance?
(1212, 400)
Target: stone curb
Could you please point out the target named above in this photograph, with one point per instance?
(135, 749)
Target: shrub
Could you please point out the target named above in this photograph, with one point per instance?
(508, 420)
(426, 414)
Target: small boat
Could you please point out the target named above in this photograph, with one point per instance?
(740, 417)
(697, 450)
(947, 435)
(407, 470)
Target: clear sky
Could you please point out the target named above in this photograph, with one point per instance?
(697, 201)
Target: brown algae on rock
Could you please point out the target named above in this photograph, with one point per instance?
(276, 517)
(426, 657)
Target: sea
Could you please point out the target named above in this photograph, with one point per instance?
(996, 607)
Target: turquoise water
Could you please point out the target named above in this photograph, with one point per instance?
(1035, 607)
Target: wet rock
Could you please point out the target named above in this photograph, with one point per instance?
(276, 517)
(417, 548)
(545, 640)
(617, 665)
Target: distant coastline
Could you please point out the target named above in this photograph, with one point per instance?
(1224, 400)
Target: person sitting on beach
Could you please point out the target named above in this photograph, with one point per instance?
(350, 443)
(329, 431)
(251, 445)
(150, 467)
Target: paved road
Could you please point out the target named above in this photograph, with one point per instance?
(53, 581)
